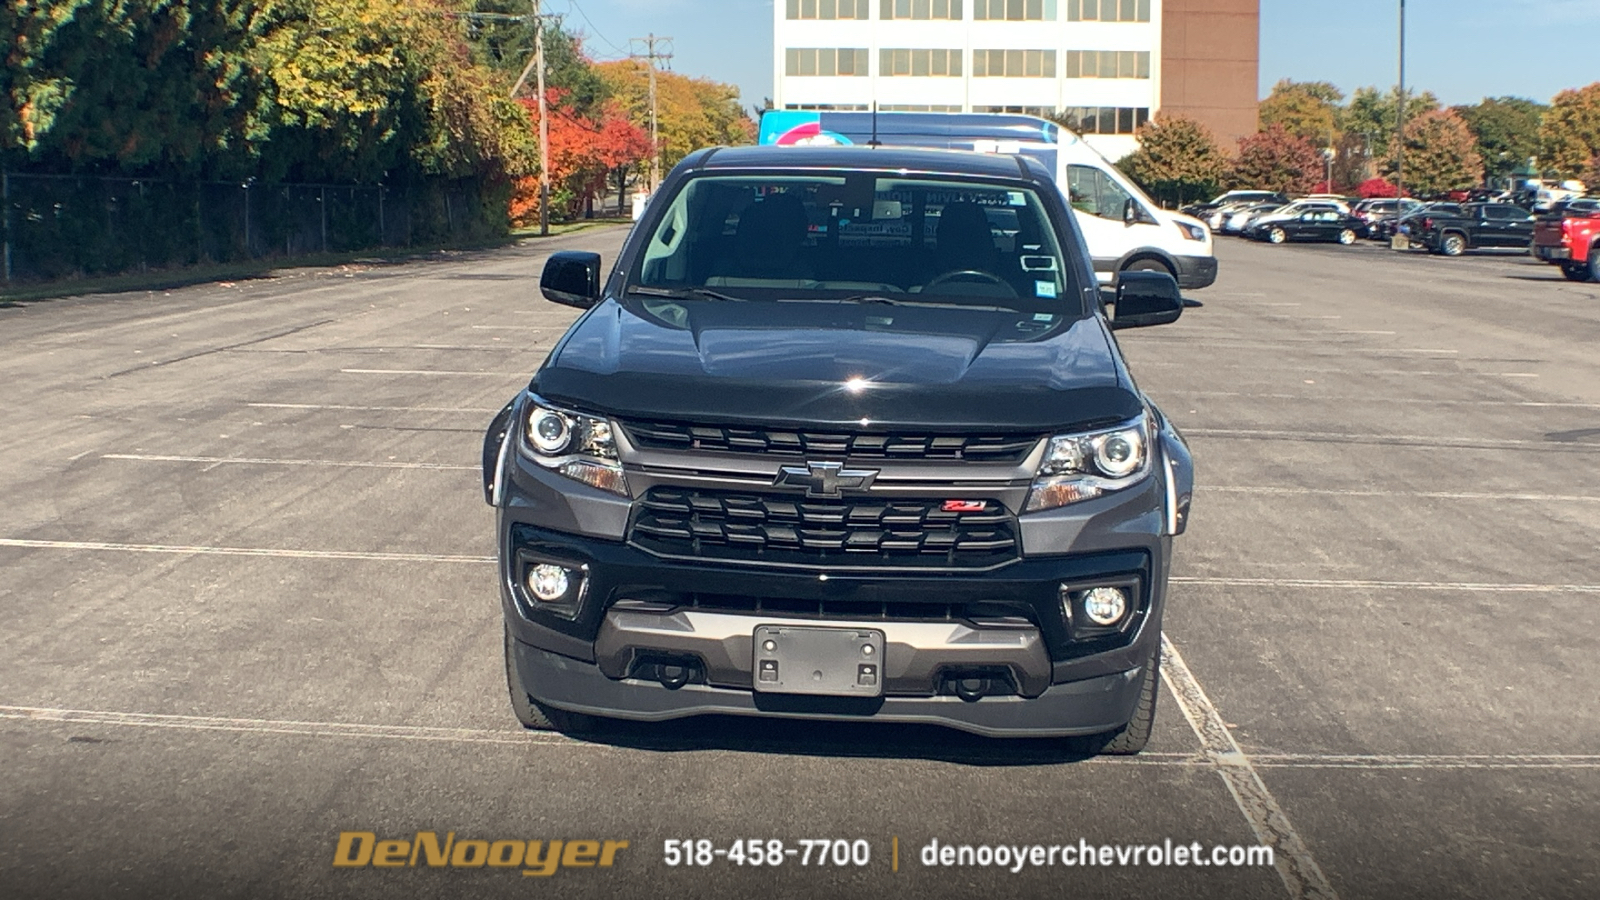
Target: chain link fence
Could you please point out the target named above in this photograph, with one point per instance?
(66, 226)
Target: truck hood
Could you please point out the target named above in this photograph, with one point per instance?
(839, 365)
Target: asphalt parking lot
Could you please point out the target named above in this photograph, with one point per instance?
(246, 576)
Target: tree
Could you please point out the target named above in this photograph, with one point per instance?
(1377, 187)
(585, 153)
(693, 112)
(1441, 154)
(1308, 109)
(1507, 129)
(1371, 113)
(1571, 130)
(1178, 158)
(1275, 160)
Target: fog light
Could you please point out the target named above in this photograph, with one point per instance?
(1105, 605)
(548, 583)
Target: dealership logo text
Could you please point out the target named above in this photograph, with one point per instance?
(358, 849)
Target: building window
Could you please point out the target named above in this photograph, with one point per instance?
(919, 62)
(921, 9)
(828, 107)
(920, 107)
(1013, 64)
(1108, 64)
(1014, 10)
(1105, 119)
(826, 61)
(828, 9)
(1040, 111)
(1108, 10)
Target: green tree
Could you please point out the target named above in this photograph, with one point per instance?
(1507, 129)
(693, 112)
(1571, 130)
(1178, 159)
(1275, 160)
(503, 39)
(1441, 154)
(1371, 114)
(1308, 109)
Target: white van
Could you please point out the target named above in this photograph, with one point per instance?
(1124, 228)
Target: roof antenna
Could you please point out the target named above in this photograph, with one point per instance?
(874, 142)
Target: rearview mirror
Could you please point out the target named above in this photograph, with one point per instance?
(1147, 298)
(572, 278)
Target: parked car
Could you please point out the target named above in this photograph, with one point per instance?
(1240, 217)
(1292, 211)
(944, 501)
(1309, 225)
(1571, 240)
(1374, 210)
(1472, 226)
(1234, 198)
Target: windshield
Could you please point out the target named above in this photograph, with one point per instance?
(860, 237)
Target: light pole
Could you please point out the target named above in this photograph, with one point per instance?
(1400, 114)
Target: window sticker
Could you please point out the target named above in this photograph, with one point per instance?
(1044, 289)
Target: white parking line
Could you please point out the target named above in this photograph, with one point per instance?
(334, 406)
(1296, 866)
(278, 726)
(508, 328)
(1426, 761)
(1304, 398)
(1423, 495)
(261, 461)
(1353, 584)
(1426, 440)
(180, 550)
(431, 372)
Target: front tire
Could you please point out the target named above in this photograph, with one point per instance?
(1277, 235)
(1594, 264)
(1453, 245)
(1347, 237)
(1149, 265)
(1132, 737)
(534, 715)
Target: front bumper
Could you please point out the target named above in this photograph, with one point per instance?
(1195, 272)
(1090, 706)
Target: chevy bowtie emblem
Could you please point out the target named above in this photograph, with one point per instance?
(825, 479)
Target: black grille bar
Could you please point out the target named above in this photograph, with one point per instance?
(788, 528)
(987, 448)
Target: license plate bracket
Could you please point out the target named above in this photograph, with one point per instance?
(819, 661)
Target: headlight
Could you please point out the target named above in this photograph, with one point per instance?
(1080, 467)
(1192, 232)
(578, 446)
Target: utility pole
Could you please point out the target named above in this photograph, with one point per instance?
(652, 56)
(536, 65)
(1400, 114)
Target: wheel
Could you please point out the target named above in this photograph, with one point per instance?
(1277, 235)
(1453, 245)
(1347, 237)
(1132, 737)
(1575, 271)
(1149, 265)
(534, 715)
(1594, 264)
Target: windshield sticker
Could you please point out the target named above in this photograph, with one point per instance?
(1044, 289)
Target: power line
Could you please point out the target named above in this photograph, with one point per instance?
(572, 6)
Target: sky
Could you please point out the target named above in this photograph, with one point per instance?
(1462, 50)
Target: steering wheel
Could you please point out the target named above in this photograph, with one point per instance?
(979, 274)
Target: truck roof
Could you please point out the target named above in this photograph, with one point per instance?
(942, 162)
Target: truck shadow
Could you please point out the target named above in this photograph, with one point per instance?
(839, 739)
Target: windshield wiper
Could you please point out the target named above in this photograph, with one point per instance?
(699, 293)
(892, 301)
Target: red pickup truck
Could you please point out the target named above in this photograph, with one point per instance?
(1571, 241)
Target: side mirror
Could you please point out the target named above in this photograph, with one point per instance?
(1147, 298)
(572, 278)
(1133, 213)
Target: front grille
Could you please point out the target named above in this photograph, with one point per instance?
(984, 448)
(793, 529)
